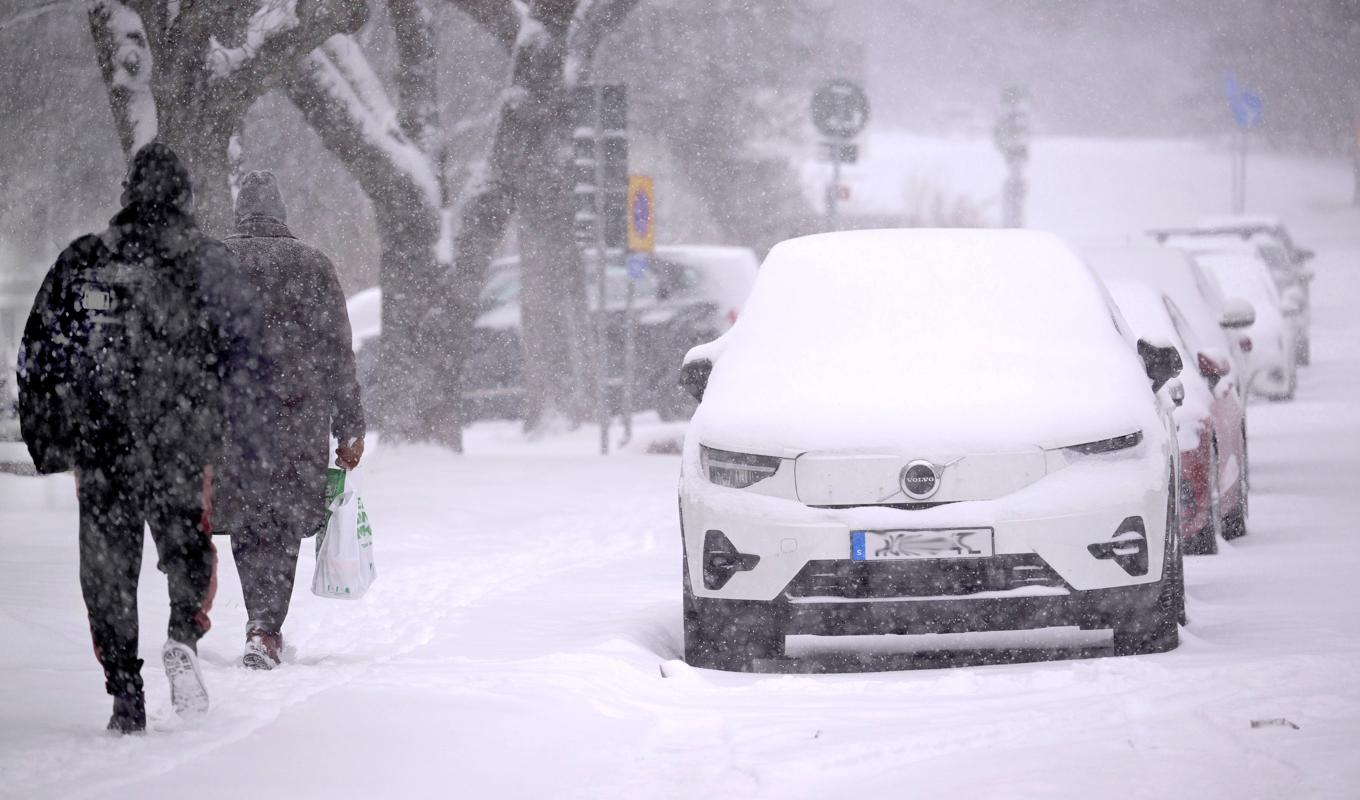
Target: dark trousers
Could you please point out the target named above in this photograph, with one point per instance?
(115, 506)
(266, 559)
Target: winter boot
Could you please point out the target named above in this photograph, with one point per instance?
(188, 694)
(263, 649)
(129, 714)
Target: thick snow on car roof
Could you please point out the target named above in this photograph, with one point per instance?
(1243, 274)
(932, 342)
(1172, 271)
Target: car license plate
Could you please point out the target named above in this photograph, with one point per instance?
(892, 545)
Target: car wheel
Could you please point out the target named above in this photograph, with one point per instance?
(1235, 523)
(729, 634)
(1150, 624)
(1205, 541)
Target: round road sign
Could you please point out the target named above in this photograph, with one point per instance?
(840, 109)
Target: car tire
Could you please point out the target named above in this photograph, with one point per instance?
(1235, 522)
(1151, 622)
(1205, 541)
(1293, 389)
(729, 635)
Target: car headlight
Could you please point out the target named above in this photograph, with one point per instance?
(736, 470)
(1114, 445)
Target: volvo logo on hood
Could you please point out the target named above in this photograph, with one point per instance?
(920, 480)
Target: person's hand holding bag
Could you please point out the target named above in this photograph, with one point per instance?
(348, 454)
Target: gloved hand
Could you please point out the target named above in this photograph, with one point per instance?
(347, 454)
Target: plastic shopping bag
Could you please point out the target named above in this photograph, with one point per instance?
(344, 551)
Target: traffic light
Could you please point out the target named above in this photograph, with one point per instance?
(600, 148)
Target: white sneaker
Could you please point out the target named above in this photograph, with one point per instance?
(187, 693)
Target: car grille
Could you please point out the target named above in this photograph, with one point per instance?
(866, 580)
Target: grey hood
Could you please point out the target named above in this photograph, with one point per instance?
(259, 199)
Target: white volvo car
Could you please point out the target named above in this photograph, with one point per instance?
(919, 431)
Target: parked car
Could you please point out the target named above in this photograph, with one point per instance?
(1267, 238)
(1273, 360)
(1211, 426)
(916, 431)
(1209, 332)
(689, 294)
(1217, 322)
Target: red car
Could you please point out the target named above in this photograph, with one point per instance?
(1158, 294)
(1210, 419)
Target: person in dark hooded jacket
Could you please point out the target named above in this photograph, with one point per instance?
(310, 393)
(139, 343)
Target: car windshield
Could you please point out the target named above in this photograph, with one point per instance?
(1011, 333)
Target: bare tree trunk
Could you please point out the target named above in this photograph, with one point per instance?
(554, 301)
(124, 58)
(530, 169)
(341, 99)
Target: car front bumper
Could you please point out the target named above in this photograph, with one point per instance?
(1055, 523)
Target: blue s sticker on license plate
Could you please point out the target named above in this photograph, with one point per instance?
(891, 545)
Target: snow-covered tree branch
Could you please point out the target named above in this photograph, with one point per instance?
(125, 63)
(187, 73)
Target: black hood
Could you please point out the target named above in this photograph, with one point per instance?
(259, 199)
(157, 185)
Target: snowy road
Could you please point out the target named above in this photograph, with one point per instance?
(528, 596)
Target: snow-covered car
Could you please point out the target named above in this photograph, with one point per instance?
(1211, 425)
(1216, 322)
(917, 431)
(1208, 332)
(1267, 238)
(1272, 362)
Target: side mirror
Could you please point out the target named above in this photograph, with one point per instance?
(1213, 367)
(1237, 313)
(1161, 362)
(694, 377)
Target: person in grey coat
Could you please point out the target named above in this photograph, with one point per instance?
(310, 393)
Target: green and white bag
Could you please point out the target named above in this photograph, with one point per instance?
(344, 551)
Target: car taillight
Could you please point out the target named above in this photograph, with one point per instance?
(732, 316)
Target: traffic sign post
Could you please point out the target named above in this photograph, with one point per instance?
(1012, 136)
(641, 222)
(1247, 110)
(600, 140)
(840, 110)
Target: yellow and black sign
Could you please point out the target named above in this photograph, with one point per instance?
(641, 214)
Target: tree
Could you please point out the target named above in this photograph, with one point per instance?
(186, 73)
(345, 103)
(553, 44)
(437, 248)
